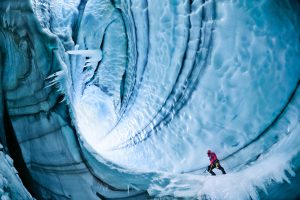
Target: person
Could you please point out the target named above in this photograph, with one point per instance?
(214, 163)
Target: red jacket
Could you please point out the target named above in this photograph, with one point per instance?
(212, 157)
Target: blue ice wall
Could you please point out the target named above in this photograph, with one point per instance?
(122, 99)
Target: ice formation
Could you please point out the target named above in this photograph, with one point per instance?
(11, 186)
(121, 99)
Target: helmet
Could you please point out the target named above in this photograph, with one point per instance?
(209, 152)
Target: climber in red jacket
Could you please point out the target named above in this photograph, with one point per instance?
(214, 163)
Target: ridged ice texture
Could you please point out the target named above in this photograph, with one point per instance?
(207, 75)
(170, 59)
(150, 86)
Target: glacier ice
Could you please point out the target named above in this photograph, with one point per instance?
(122, 98)
(11, 186)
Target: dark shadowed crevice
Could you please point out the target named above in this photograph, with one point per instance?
(81, 8)
(122, 87)
(2, 131)
(16, 154)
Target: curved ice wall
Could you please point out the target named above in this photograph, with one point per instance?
(122, 99)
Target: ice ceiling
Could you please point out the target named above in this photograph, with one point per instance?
(112, 99)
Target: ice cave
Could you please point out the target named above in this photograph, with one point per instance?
(122, 99)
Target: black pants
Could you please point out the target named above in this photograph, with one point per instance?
(217, 165)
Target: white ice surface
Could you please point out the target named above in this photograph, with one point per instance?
(252, 69)
(249, 78)
(272, 166)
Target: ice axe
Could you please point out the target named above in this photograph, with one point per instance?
(206, 169)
